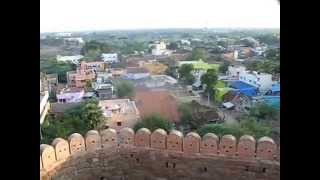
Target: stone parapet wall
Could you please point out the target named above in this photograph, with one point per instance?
(109, 154)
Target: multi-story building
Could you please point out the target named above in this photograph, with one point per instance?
(72, 59)
(110, 57)
(44, 103)
(97, 66)
(234, 71)
(120, 113)
(81, 76)
(262, 81)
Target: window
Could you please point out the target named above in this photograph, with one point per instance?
(119, 123)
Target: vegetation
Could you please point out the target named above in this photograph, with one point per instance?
(82, 118)
(247, 126)
(197, 54)
(93, 49)
(273, 54)
(209, 79)
(61, 68)
(266, 66)
(185, 73)
(124, 89)
(263, 111)
(153, 122)
(224, 67)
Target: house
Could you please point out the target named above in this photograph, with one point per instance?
(157, 101)
(155, 81)
(238, 101)
(234, 71)
(262, 81)
(199, 67)
(244, 88)
(74, 41)
(44, 103)
(159, 48)
(117, 72)
(97, 66)
(103, 87)
(72, 59)
(110, 57)
(81, 76)
(70, 95)
(120, 113)
(133, 73)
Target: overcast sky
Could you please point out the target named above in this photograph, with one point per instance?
(77, 15)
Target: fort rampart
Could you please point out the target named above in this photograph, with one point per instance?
(145, 155)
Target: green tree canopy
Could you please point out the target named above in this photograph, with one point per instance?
(88, 115)
(153, 122)
(210, 79)
(198, 53)
(125, 89)
(224, 67)
(185, 73)
(264, 111)
(51, 66)
(245, 127)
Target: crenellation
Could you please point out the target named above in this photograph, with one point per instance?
(93, 140)
(142, 137)
(174, 140)
(159, 139)
(266, 148)
(61, 148)
(76, 142)
(48, 156)
(109, 138)
(246, 147)
(100, 149)
(191, 143)
(228, 145)
(209, 144)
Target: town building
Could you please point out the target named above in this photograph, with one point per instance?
(44, 103)
(133, 73)
(74, 41)
(72, 59)
(57, 110)
(157, 101)
(70, 95)
(110, 57)
(81, 76)
(262, 81)
(120, 113)
(234, 71)
(97, 66)
(103, 86)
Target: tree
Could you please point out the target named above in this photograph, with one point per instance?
(173, 46)
(273, 54)
(125, 89)
(224, 67)
(153, 122)
(209, 79)
(185, 73)
(51, 66)
(86, 116)
(197, 54)
(246, 127)
(92, 113)
(263, 111)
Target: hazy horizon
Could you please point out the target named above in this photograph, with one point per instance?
(95, 15)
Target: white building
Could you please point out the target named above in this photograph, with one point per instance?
(63, 34)
(185, 42)
(76, 40)
(262, 81)
(110, 57)
(72, 59)
(234, 71)
(71, 95)
(159, 48)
